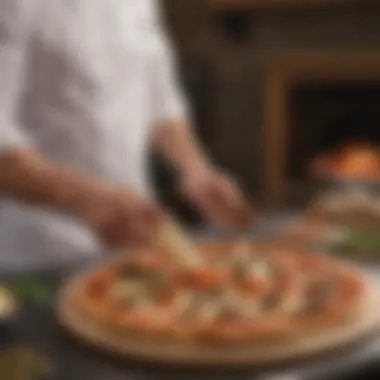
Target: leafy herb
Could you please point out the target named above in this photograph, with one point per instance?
(30, 289)
(360, 242)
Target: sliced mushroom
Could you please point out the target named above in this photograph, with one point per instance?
(126, 293)
(319, 293)
(271, 301)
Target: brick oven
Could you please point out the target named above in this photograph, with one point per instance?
(316, 102)
(277, 82)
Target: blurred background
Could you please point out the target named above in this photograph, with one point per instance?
(274, 86)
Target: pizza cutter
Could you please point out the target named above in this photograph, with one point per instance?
(173, 239)
(176, 242)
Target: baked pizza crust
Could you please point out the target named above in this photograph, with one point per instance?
(299, 271)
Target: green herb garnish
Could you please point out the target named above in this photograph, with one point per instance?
(30, 289)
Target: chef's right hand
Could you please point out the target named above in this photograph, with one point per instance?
(120, 216)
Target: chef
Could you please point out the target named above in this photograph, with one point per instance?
(87, 88)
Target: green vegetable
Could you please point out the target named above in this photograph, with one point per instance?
(30, 289)
(360, 242)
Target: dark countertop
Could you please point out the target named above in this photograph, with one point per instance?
(73, 360)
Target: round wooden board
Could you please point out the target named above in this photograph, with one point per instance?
(196, 354)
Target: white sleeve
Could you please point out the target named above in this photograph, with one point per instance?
(169, 101)
(15, 20)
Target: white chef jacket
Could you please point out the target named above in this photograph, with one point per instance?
(83, 82)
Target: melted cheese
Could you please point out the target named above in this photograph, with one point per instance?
(143, 303)
(184, 301)
(209, 310)
(259, 269)
(250, 308)
(289, 304)
(127, 293)
(337, 235)
(322, 291)
(125, 288)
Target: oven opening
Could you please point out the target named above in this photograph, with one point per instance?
(335, 128)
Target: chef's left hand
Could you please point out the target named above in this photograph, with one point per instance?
(218, 197)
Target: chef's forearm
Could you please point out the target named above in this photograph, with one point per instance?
(179, 146)
(28, 177)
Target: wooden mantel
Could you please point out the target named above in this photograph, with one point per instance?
(320, 64)
(232, 5)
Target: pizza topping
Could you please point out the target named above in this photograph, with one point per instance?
(337, 234)
(272, 301)
(255, 269)
(260, 269)
(232, 306)
(229, 312)
(189, 310)
(133, 270)
(206, 306)
(184, 301)
(159, 283)
(126, 293)
(322, 288)
(235, 291)
(250, 308)
(216, 294)
(318, 294)
(206, 278)
(96, 288)
(208, 310)
(143, 304)
(199, 306)
(239, 271)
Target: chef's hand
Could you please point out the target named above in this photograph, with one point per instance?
(120, 216)
(218, 197)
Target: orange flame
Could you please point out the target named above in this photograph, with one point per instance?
(352, 161)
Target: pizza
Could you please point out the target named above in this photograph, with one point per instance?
(311, 233)
(331, 292)
(353, 243)
(357, 207)
(243, 293)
